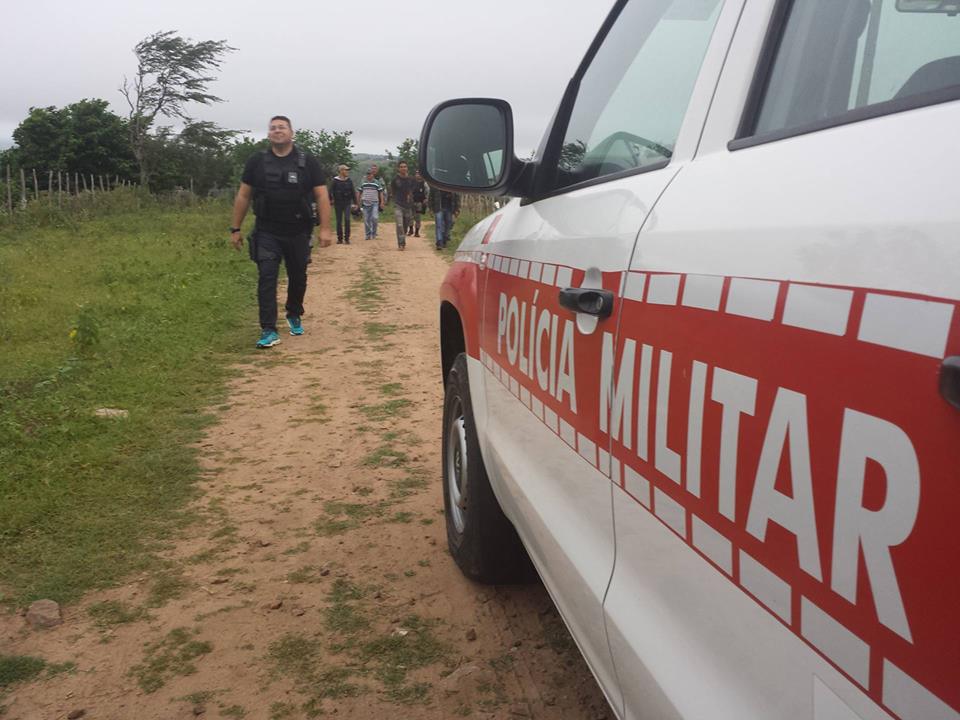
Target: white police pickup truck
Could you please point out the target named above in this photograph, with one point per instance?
(705, 368)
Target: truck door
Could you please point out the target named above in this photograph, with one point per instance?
(792, 551)
(620, 137)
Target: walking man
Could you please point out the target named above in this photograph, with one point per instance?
(419, 201)
(401, 189)
(371, 200)
(344, 199)
(281, 182)
(446, 207)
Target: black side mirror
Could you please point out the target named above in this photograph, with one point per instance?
(467, 146)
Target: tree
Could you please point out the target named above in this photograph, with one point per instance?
(331, 149)
(239, 152)
(171, 73)
(99, 142)
(409, 152)
(84, 137)
(197, 156)
(43, 139)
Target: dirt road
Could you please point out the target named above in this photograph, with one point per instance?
(315, 579)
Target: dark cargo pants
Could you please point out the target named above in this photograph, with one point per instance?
(267, 250)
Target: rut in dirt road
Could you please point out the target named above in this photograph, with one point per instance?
(316, 579)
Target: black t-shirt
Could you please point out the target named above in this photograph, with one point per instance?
(282, 202)
(419, 190)
(402, 190)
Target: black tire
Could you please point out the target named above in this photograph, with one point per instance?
(482, 541)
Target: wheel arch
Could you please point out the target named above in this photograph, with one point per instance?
(452, 337)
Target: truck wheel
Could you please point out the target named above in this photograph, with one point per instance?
(482, 541)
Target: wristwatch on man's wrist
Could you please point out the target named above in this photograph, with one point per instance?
(233, 230)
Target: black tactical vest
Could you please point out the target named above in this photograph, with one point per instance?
(285, 197)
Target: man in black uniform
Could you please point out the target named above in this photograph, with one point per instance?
(281, 182)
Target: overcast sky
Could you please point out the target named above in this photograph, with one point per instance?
(375, 67)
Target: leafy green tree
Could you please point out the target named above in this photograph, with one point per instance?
(99, 142)
(331, 148)
(43, 139)
(171, 73)
(239, 152)
(197, 156)
(204, 148)
(409, 152)
(84, 137)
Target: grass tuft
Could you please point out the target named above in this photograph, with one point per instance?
(173, 655)
(19, 668)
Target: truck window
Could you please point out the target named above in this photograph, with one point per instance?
(633, 96)
(836, 58)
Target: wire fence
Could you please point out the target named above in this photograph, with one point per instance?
(55, 188)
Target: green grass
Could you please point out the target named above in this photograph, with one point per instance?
(366, 292)
(23, 668)
(18, 668)
(377, 331)
(385, 456)
(298, 658)
(398, 407)
(173, 655)
(461, 225)
(110, 613)
(391, 389)
(339, 517)
(305, 574)
(137, 311)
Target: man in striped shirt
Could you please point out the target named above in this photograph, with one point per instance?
(371, 200)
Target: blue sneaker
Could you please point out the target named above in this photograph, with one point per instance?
(296, 327)
(268, 338)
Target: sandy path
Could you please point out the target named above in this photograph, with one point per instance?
(317, 580)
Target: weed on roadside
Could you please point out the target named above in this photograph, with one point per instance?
(198, 698)
(391, 389)
(166, 586)
(282, 710)
(365, 293)
(166, 658)
(377, 331)
(110, 613)
(299, 658)
(395, 408)
(406, 486)
(385, 456)
(339, 517)
(410, 646)
(19, 668)
(305, 574)
(297, 549)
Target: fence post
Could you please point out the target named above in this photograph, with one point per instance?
(23, 189)
(9, 192)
